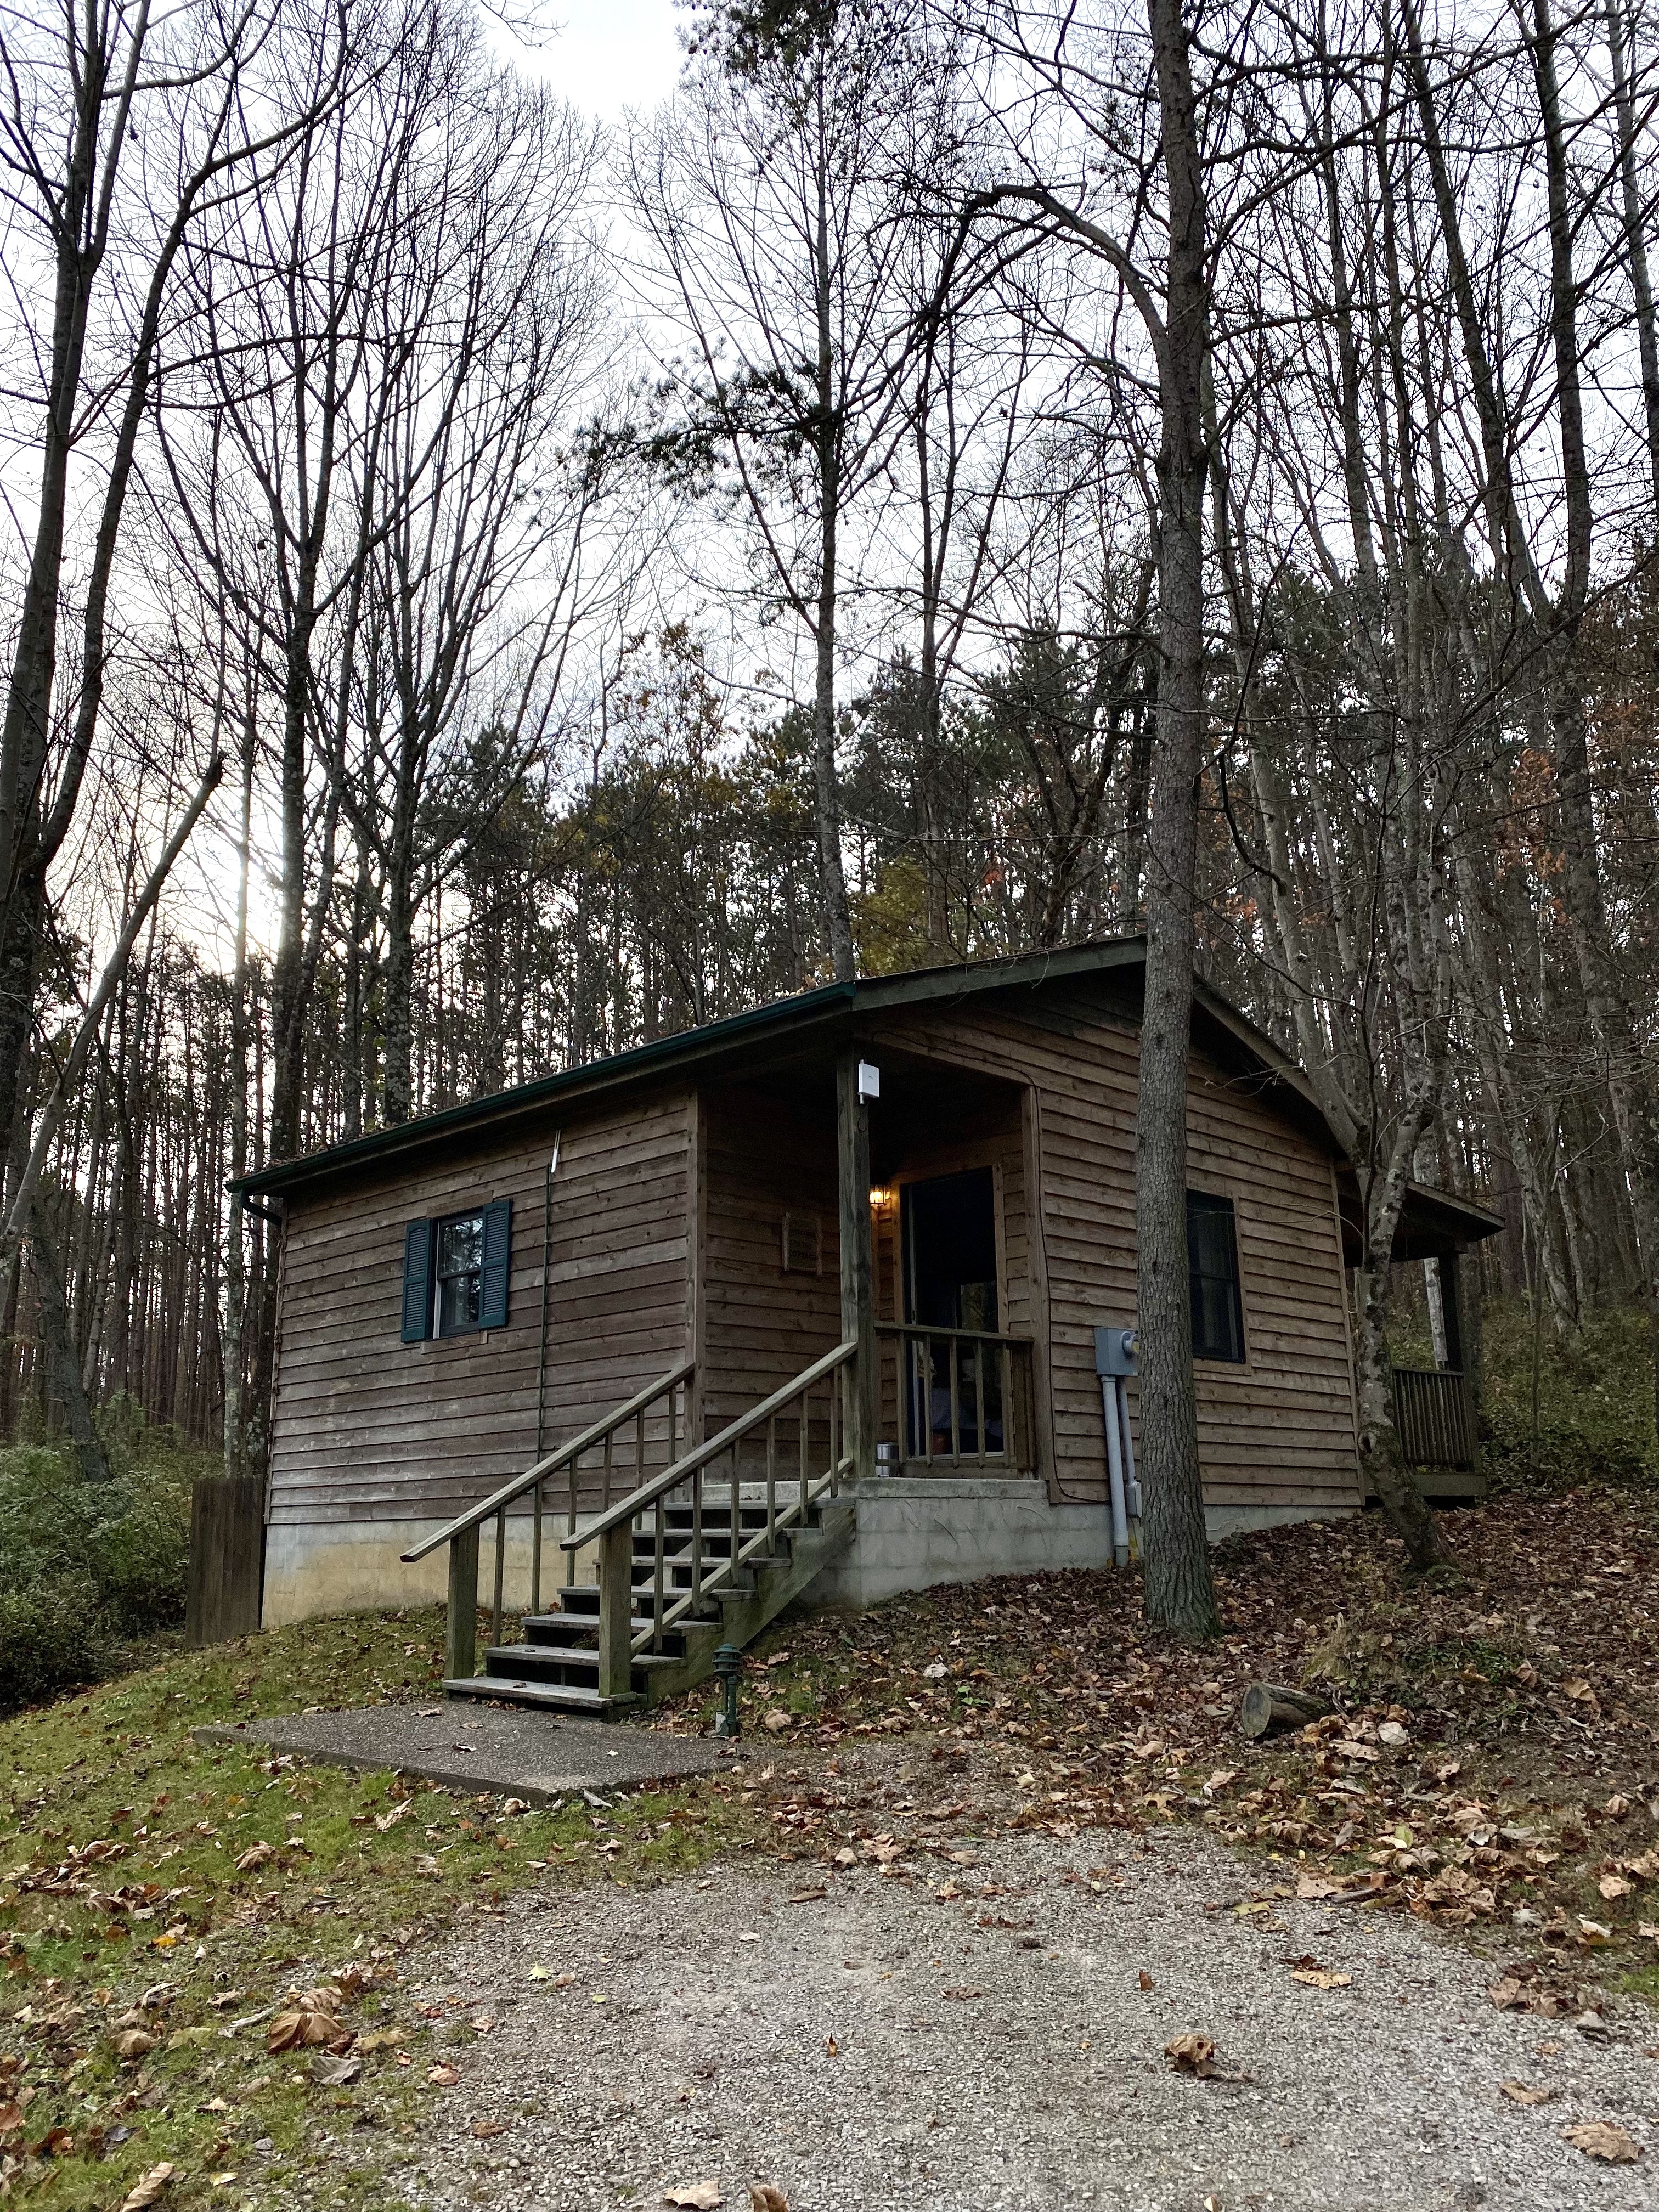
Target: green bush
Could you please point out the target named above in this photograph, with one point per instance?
(1595, 1391)
(50, 1640)
(83, 1565)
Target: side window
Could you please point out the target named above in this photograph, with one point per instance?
(1212, 1276)
(457, 1275)
(456, 1272)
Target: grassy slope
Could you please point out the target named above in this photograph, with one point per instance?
(117, 1764)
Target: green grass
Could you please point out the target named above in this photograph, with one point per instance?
(118, 1763)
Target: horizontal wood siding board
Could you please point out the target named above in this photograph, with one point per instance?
(1278, 1432)
(366, 1424)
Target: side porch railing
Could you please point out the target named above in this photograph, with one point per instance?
(961, 1397)
(621, 1440)
(1434, 1417)
(780, 1459)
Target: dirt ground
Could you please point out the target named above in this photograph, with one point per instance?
(991, 2032)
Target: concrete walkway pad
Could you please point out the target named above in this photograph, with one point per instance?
(531, 1755)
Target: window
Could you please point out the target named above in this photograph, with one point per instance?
(1212, 1275)
(457, 1275)
(456, 1271)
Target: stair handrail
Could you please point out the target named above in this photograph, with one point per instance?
(611, 1532)
(556, 1461)
(461, 1535)
(624, 1513)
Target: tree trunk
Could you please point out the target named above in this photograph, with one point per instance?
(1179, 1593)
(62, 1367)
(826, 792)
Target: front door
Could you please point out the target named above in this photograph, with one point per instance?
(949, 1259)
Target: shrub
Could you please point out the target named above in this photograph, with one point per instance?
(50, 1640)
(83, 1565)
(1596, 1393)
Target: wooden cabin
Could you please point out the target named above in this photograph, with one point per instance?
(918, 1191)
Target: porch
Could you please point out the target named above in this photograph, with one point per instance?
(852, 1276)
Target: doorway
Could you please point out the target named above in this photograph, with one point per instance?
(949, 1256)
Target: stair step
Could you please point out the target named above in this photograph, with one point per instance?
(562, 1631)
(559, 1697)
(539, 1662)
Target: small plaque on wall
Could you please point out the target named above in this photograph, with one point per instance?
(802, 1244)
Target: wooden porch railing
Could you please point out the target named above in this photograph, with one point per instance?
(962, 1396)
(1434, 1417)
(701, 1560)
(461, 1535)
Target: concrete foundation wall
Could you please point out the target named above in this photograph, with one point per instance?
(914, 1532)
(354, 1566)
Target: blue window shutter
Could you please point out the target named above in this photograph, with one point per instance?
(417, 1282)
(497, 1258)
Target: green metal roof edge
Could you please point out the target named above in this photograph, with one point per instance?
(913, 985)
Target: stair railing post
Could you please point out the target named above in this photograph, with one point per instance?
(616, 1610)
(858, 1262)
(461, 1660)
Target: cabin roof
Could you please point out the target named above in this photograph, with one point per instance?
(1246, 1053)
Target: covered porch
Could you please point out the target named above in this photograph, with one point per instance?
(878, 1198)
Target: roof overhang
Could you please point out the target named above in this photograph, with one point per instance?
(1433, 1224)
(820, 1020)
(717, 1048)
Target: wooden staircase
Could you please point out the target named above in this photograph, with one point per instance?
(704, 1552)
(557, 1663)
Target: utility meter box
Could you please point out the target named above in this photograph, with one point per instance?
(1114, 1350)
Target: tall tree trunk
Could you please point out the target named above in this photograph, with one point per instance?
(1180, 1589)
(826, 791)
(1619, 46)
(63, 1369)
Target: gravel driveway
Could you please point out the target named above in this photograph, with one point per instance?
(890, 2047)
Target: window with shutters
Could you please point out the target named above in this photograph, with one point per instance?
(1212, 1278)
(456, 1271)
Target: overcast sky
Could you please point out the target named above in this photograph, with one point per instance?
(607, 55)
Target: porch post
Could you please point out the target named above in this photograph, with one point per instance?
(1450, 1270)
(462, 1654)
(1451, 1309)
(858, 1266)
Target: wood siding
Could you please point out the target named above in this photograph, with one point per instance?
(369, 1428)
(667, 1240)
(1277, 1431)
(764, 1157)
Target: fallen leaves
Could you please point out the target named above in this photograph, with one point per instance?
(1322, 1977)
(1603, 2139)
(443, 2077)
(304, 2029)
(135, 2044)
(1192, 2054)
(1523, 2093)
(695, 2195)
(149, 2191)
